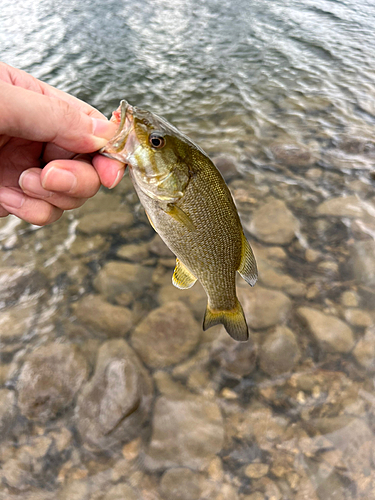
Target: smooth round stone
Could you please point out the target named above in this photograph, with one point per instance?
(117, 278)
(105, 222)
(357, 317)
(180, 484)
(49, 380)
(273, 223)
(330, 332)
(349, 299)
(166, 336)
(279, 352)
(256, 470)
(122, 492)
(226, 165)
(264, 308)
(187, 431)
(134, 253)
(100, 315)
(293, 155)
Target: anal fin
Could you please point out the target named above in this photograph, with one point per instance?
(182, 277)
(248, 266)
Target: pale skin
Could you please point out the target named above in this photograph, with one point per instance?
(41, 126)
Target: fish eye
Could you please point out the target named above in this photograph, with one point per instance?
(156, 140)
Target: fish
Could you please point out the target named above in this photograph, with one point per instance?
(190, 206)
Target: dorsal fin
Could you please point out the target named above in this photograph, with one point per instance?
(248, 267)
(182, 277)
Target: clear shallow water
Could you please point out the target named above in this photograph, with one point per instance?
(286, 90)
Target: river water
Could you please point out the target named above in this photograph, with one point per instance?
(109, 389)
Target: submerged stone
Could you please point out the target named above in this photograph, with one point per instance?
(279, 352)
(114, 404)
(264, 308)
(330, 332)
(49, 380)
(187, 432)
(100, 315)
(166, 336)
(273, 223)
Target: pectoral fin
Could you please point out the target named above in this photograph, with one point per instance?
(182, 277)
(179, 215)
(248, 267)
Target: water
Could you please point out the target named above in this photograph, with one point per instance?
(285, 89)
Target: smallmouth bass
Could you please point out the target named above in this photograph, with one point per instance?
(188, 203)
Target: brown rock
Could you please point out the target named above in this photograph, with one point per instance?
(105, 222)
(114, 404)
(49, 380)
(264, 308)
(98, 314)
(273, 223)
(330, 332)
(280, 352)
(166, 336)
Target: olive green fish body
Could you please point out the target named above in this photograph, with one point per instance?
(190, 206)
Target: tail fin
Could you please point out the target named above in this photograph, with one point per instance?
(233, 320)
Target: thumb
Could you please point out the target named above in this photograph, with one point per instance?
(38, 117)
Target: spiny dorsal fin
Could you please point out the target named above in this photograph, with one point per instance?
(182, 277)
(248, 267)
(233, 320)
(180, 216)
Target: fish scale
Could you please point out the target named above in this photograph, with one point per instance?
(190, 206)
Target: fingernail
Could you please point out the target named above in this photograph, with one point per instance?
(103, 128)
(59, 179)
(11, 198)
(119, 175)
(30, 181)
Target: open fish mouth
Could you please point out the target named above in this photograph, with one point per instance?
(116, 147)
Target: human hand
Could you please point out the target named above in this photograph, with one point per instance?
(41, 126)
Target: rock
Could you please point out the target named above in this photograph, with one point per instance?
(236, 359)
(256, 470)
(344, 206)
(357, 317)
(16, 321)
(122, 491)
(272, 278)
(195, 297)
(75, 489)
(363, 262)
(264, 308)
(293, 155)
(49, 380)
(180, 484)
(105, 222)
(312, 255)
(364, 351)
(132, 252)
(16, 282)
(117, 278)
(98, 314)
(28, 465)
(273, 223)
(8, 411)
(330, 332)
(159, 248)
(83, 245)
(349, 299)
(227, 166)
(166, 336)
(187, 432)
(279, 352)
(115, 403)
